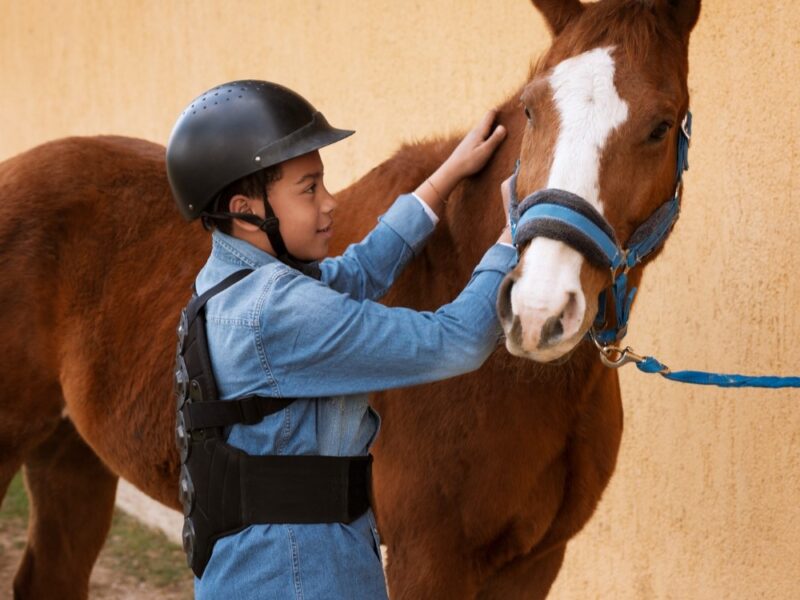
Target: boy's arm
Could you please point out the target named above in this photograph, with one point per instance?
(367, 269)
(317, 342)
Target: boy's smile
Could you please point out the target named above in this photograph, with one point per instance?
(302, 204)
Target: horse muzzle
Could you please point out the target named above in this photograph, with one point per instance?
(541, 305)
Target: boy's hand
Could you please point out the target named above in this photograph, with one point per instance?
(474, 151)
(469, 157)
(505, 192)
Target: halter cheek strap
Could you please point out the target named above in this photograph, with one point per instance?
(566, 217)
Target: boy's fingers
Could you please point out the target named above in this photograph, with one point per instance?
(486, 123)
(493, 141)
(505, 189)
(498, 134)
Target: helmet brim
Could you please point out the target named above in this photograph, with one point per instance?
(315, 135)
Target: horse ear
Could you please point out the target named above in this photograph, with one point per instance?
(558, 13)
(685, 14)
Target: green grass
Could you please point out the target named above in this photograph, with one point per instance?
(140, 553)
(15, 504)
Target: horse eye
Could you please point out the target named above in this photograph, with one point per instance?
(528, 114)
(660, 132)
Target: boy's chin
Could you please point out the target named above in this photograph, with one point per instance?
(313, 255)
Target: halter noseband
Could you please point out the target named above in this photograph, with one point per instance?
(566, 217)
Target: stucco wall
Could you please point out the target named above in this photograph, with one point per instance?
(704, 503)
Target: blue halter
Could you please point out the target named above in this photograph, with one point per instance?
(566, 217)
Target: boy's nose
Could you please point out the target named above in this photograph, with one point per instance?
(329, 202)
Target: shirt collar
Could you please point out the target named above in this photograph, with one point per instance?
(238, 252)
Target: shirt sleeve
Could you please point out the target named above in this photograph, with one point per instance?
(319, 342)
(428, 210)
(366, 270)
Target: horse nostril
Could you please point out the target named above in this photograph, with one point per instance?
(551, 331)
(504, 300)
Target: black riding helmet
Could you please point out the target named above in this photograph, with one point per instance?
(234, 130)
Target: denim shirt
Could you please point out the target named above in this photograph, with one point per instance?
(329, 343)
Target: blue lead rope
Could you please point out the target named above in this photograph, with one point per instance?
(615, 357)
(650, 365)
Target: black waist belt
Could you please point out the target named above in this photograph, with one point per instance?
(232, 489)
(305, 489)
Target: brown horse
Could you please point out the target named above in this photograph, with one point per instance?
(480, 481)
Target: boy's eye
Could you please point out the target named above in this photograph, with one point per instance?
(312, 188)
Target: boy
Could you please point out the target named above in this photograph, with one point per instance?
(275, 432)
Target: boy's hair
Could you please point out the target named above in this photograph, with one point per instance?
(255, 185)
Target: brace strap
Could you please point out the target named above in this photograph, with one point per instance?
(224, 413)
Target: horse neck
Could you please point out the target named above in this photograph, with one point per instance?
(475, 216)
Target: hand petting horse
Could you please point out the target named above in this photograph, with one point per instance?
(480, 481)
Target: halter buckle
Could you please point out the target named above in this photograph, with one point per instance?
(622, 268)
(678, 188)
(685, 128)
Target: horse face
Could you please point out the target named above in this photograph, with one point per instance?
(604, 110)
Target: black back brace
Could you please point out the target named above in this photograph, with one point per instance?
(222, 488)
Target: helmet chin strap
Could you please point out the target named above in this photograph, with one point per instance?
(270, 225)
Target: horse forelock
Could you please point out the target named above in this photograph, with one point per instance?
(635, 27)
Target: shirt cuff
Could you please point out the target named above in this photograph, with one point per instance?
(428, 209)
(408, 220)
(500, 257)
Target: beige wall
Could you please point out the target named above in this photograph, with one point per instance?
(705, 500)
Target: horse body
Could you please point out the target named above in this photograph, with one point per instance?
(99, 292)
(482, 462)
(480, 481)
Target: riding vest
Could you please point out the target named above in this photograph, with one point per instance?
(223, 489)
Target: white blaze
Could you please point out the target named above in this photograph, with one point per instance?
(589, 109)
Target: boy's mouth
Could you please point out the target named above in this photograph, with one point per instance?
(326, 229)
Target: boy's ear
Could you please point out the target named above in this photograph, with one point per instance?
(242, 204)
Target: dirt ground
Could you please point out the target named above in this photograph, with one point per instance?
(135, 563)
(107, 582)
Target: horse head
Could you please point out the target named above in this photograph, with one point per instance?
(604, 111)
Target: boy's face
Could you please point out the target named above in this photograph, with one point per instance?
(303, 206)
